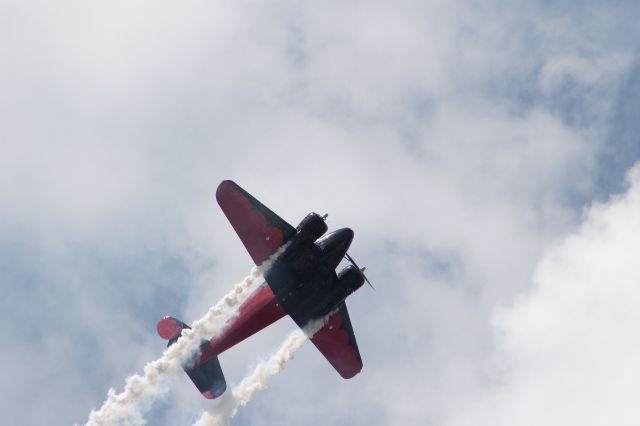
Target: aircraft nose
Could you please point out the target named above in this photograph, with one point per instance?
(334, 246)
(336, 242)
(343, 238)
(344, 235)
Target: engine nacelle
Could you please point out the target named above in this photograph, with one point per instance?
(312, 227)
(350, 279)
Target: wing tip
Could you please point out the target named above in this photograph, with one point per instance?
(223, 187)
(214, 392)
(350, 374)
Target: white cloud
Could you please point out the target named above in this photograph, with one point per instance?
(570, 345)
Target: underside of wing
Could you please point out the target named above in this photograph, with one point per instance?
(262, 231)
(337, 342)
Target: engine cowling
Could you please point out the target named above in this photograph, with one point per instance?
(350, 279)
(312, 227)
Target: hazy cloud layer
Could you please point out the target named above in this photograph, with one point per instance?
(460, 141)
(569, 346)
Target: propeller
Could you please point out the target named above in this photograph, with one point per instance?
(353, 262)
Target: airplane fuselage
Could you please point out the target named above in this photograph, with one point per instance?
(305, 286)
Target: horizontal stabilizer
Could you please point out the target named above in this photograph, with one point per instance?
(206, 375)
(208, 378)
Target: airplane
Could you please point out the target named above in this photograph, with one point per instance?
(302, 283)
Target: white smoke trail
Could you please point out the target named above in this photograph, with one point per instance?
(128, 407)
(257, 380)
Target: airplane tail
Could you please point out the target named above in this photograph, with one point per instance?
(208, 378)
(207, 375)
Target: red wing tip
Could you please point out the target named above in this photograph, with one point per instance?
(225, 185)
(350, 374)
(168, 328)
(214, 394)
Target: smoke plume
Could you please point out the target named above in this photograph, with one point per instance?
(129, 406)
(257, 380)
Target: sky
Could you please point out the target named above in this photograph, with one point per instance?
(483, 153)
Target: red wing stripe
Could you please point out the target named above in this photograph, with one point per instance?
(261, 231)
(337, 343)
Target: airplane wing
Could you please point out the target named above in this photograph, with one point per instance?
(262, 231)
(338, 344)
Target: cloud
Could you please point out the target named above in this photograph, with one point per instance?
(569, 346)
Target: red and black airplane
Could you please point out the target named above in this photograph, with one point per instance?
(302, 282)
